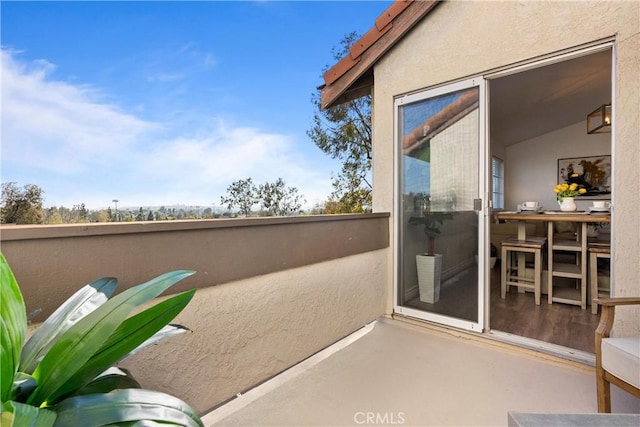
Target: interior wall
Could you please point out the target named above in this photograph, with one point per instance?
(531, 167)
(498, 150)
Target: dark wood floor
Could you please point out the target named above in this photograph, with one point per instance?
(561, 324)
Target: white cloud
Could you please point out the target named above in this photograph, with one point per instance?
(191, 49)
(47, 123)
(79, 149)
(206, 164)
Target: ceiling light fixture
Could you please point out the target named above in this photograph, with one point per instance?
(599, 121)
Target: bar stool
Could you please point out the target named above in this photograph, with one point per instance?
(597, 251)
(510, 274)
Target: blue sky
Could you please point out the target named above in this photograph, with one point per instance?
(163, 103)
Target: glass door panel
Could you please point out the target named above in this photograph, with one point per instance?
(439, 213)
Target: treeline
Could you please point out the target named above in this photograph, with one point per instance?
(24, 205)
(79, 214)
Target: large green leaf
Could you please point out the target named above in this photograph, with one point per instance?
(83, 302)
(76, 346)
(13, 327)
(122, 406)
(145, 328)
(128, 336)
(111, 379)
(166, 332)
(8, 366)
(21, 415)
(23, 385)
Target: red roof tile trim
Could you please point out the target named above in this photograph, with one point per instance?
(382, 25)
(435, 124)
(351, 76)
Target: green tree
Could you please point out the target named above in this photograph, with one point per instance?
(241, 195)
(66, 214)
(103, 215)
(21, 205)
(349, 195)
(150, 216)
(52, 216)
(161, 213)
(80, 213)
(317, 209)
(279, 200)
(344, 133)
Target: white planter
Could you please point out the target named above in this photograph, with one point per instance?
(429, 271)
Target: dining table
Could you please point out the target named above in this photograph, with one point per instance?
(577, 245)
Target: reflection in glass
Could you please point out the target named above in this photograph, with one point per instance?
(439, 140)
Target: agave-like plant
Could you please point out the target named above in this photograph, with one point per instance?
(63, 375)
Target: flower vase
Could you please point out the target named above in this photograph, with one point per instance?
(568, 205)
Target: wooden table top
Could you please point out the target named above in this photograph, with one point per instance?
(554, 216)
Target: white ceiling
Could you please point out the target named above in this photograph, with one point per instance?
(534, 102)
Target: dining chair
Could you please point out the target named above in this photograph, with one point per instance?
(511, 274)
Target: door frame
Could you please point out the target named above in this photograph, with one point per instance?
(553, 58)
(483, 254)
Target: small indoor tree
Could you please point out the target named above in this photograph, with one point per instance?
(429, 264)
(431, 222)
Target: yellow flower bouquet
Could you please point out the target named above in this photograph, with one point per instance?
(568, 190)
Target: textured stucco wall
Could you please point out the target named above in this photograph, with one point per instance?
(270, 291)
(65, 257)
(461, 39)
(246, 331)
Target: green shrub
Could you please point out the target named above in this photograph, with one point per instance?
(63, 375)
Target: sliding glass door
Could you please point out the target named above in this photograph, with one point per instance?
(439, 221)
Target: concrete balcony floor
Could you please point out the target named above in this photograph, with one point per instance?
(395, 373)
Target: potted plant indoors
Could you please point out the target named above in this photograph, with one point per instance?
(429, 264)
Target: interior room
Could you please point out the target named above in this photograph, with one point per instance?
(538, 135)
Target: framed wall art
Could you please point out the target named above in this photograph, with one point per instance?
(592, 173)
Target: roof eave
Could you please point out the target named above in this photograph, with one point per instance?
(352, 77)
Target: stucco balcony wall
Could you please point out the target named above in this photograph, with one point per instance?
(271, 291)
